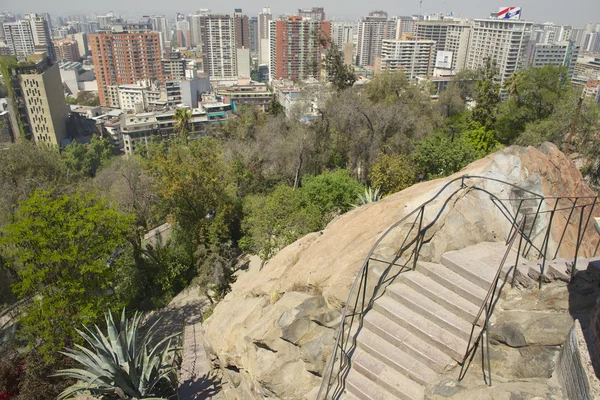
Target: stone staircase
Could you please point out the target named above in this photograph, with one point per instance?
(421, 325)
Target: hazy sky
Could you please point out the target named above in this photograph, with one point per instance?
(576, 13)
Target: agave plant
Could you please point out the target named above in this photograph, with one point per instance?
(118, 365)
(369, 196)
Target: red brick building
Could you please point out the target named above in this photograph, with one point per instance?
(296, 47)
(124, 55)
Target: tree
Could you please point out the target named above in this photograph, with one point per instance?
(86, 98)
(534, 95)
(487, 95)
(275, 107)
(332, 193)
(342, 76)
(25, 167)
(183, 120)
(274, 221)
(87, 159)
(392, 173)
(71, 100)
(196, 188)
(441, 155)
(62, 247)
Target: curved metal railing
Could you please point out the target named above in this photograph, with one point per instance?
(529, 207)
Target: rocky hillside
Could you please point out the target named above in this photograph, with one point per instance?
(273, 334)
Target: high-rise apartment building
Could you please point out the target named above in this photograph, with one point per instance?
(558, 54)
(450, 35)
(505, 41)
(372, 30)
(67, 50)
(342, 33)
(253, 34)
(315, 13)
(296, 48)
(38, 110)
(184, 35)
(405, 26)
(19, 38)
(160, 25)
(82, 43)
(194, 21)
(242, 34)
(414, 57)
(125, 54)
(217, 32)
(28, 36)
(264, 18)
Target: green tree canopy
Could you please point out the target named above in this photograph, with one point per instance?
(332, 193)
(392, 173)
(62, 247)
(487, 95)
(87, 159)
(272, 222)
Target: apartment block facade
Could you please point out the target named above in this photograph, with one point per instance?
(506, 41)
(296, 48)
(124, 55)
(38, 109)
(372, 30)
(218, 36)
(414, 57)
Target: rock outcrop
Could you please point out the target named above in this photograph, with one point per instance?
(273, 334)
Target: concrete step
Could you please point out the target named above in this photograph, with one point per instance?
(363, 388)
(395, 358)
(407, 341)
(380, 376)
(441, 295)
(349, 396)
(427, 308)
(480, 262)
(452, 281)
(425, 329)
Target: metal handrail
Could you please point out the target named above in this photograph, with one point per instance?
(357, 297)
(487, 305)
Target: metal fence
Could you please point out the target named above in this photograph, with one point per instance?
(533, 220)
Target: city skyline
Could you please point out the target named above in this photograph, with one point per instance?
(533, 10)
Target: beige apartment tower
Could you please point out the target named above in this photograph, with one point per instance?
(40, 111)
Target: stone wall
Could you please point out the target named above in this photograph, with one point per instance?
(574, 366)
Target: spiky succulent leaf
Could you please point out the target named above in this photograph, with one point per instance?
(117, 363)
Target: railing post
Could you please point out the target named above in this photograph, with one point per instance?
(587, 221)
(545, 245)
(579, 238)
(419, 239)
(512, 284)
(526, 252)
(514, 225)
(566, 226)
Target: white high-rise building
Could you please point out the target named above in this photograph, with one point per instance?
(372, 30)
(450, 35)
(505, 41)
(19, 38)
(28, 36)
(405, 26)
(264, 17)
(558, 54)
(195, 30)
(414, 57)
(160, 25)
(217, 34)
(342, 33)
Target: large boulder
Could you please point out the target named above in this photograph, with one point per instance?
(272, 335)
